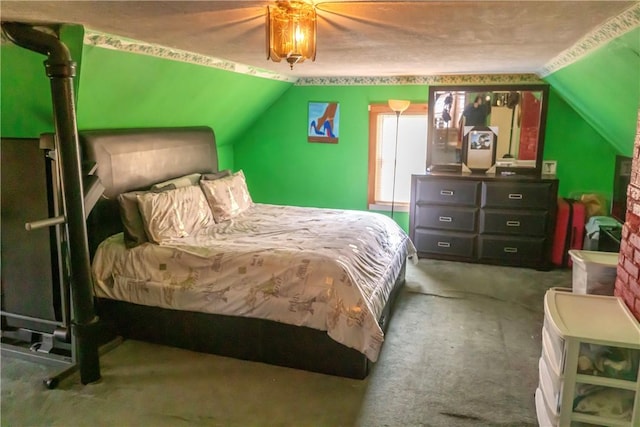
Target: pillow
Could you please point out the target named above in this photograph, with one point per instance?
(215, 175)
(174, 214)
(227, 197)
(132, 223)
(182, 181)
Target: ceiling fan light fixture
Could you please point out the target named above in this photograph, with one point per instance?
(291, 32)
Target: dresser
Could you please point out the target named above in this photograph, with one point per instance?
(483, 218)
(588, 369)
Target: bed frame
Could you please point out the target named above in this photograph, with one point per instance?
(134, 159)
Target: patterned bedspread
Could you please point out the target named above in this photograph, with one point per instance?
(326, 269)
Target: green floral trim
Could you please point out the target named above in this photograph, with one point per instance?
(613, 28)
(108, 41)
(454, 79)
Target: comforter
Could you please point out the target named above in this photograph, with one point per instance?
(327, 269)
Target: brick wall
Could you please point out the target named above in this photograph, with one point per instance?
(628, 280)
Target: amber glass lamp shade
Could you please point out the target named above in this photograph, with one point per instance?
(398, 105)
(291, 32)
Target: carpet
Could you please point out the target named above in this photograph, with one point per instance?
(462, 349)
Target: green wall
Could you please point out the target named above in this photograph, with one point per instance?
(604, 88)
(260, 124)
(591, 117)
(26, 92)
(586, 161)
(283, 168)
(26, 98)
(121, 89)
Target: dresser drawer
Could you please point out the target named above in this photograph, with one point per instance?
(445, 243)
(523, 223)
(510, 250)
(516, 195)
(446, 217)
(450, 192)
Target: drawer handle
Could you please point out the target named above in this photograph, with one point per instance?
(444, 219)
(515, 196)
(510, 250)
(446, 192)
(513, 223)
(444, 244)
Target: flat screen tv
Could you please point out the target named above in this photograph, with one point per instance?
(621, 179)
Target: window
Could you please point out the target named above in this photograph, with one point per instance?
(411, 154)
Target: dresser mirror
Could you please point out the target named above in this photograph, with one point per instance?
(487, 129)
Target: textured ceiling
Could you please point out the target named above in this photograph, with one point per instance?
(355, 38)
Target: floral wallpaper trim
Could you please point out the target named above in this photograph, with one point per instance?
(108, 41)
(453, 79)
(613, 28)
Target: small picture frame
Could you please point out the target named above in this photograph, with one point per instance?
(549, 167)
(323, 122)
(479, 148)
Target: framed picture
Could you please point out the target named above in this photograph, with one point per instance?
(323, 122)
(549, 167)
(479, 147)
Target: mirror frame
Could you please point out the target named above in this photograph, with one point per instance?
(517, 170)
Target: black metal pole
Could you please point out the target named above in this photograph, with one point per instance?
(395, 162)
(61, 71)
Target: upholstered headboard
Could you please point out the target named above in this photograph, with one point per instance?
(135, 159)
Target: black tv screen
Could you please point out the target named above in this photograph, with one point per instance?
(621, 179)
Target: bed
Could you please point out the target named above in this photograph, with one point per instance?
(284, 285)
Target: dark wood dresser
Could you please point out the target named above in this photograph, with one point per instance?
(483, 218)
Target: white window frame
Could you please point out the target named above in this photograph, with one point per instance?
(375, 162)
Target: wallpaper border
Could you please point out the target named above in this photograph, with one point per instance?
(613, 28)
(109, 41)
(449, 79)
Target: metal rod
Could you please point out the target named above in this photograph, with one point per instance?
(33, 319)
(42, 223)
(395, 162)
(61, 71)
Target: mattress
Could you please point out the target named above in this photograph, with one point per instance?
(326, 269)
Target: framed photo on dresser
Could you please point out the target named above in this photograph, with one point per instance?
(479, 147)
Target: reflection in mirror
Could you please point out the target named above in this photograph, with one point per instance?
(515, 114)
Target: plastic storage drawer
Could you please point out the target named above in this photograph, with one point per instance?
(542, 412)
(551, 386)
(594, 272)
(553, 350)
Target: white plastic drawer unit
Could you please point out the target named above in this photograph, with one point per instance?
(589, 370)
(550, 386)
(544, 418)
(553, 348)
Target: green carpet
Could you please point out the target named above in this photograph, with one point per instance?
(462, 349)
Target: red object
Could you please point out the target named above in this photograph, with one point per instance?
(569, 232)
(529, 126)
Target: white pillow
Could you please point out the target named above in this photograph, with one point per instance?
(227, 197)
(181, 181)
(174, 214)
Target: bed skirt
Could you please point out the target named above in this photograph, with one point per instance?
(244, 338)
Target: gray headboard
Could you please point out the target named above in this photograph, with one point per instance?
(135, 159)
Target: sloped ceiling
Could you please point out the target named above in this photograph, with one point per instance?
(355, 38)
